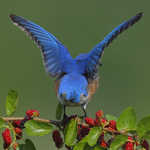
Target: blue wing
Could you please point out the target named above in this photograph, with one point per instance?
(55, 55)
(92, 59)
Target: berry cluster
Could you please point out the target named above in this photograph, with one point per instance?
(125, 132)
(16, 128)
(109, 127)
(109, 132)
(107, 136)
(83, 127)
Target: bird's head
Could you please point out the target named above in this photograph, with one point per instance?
(73, 88)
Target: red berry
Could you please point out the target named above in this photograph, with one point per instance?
(89, 121)
(130, 139)
(82, 132)
(112, 124)
(18, 133)
(32, 113)
(18, 130)
(103, 121)
(103, 144)
(16, 123)
(129, 146)
(96, 122)
(7, 137)
(57, 139)
(99, 114)
(111, 129)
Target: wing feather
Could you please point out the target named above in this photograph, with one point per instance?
(92, 59)
(53, 51)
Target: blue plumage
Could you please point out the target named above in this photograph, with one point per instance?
(55, 55)
(92, 59)
(77, 78)
(72, 86)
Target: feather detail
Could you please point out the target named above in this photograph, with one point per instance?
(55, 55)
(92, 86)
(93, 58)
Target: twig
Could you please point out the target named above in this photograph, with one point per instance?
(59, 123)
(56, 123)
(21, 118)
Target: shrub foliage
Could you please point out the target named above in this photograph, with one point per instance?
(75, 133)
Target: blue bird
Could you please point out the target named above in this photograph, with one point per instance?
(76, 78)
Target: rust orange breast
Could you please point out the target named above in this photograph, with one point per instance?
(92, 86)
(57, 82)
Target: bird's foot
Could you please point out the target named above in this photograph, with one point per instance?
(60, 123)
(57, 123)
(65, 116)
(84, 111)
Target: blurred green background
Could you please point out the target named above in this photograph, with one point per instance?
(80, 25)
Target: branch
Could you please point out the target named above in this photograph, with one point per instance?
(57, 123)
(21, 118)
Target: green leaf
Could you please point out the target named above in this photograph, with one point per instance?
(79, 146)
(82, 146)
(97, 147)
(27, 146)
(36, 128)
(147, 135)
(87, 147)
(118, 142)
(139, 147)
(143, 126)
(127, 120)
(17, 148)
(111, 117)
(2, 123)
(71, 132)
(92, 136)
(11, 102)
(59, 111)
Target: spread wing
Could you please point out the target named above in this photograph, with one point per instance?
(55, 55)
(92, 59)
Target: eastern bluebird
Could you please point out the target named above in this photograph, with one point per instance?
(76, 78)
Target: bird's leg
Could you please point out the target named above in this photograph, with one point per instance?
(65, 116)
(60, 123)
(85, 114)
(83, 106)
